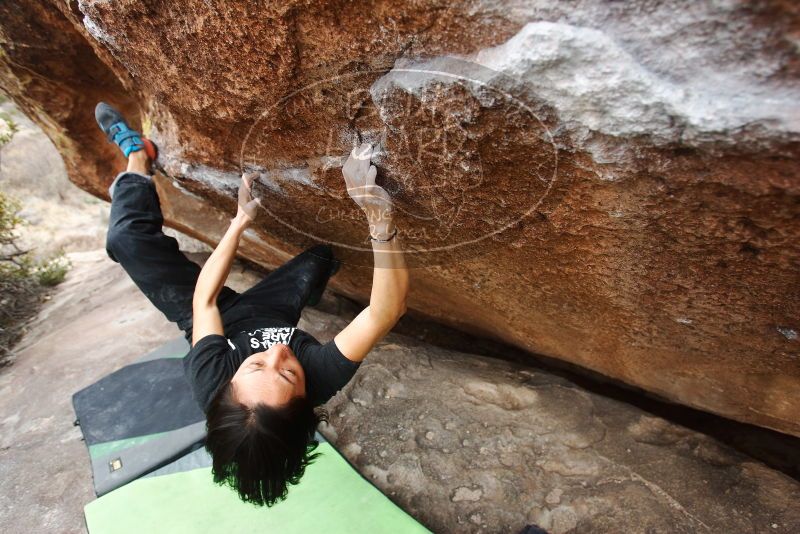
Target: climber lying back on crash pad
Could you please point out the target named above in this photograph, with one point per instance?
(256, 376)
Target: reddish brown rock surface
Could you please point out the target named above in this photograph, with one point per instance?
(613, 186)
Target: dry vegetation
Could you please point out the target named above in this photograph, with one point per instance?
(24, 279)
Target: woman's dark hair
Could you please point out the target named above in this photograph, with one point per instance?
(260, 450)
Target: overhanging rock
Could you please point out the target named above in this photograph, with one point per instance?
(616, 187)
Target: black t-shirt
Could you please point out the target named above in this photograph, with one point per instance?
(215, 358)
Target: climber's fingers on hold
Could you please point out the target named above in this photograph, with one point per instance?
(361, 157)
(248, 178)
(362, 153)
(246, 190)
(371, 174)
(357, 165)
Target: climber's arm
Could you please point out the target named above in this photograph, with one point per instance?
(387, 301)
(205, 314)
(206, 318)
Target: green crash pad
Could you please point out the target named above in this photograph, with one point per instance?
(331, 497)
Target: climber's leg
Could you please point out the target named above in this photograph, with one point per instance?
(135, 240)
(287, 290)
(139, 163)
(152, 259)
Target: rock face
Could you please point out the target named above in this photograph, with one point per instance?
(616, 186)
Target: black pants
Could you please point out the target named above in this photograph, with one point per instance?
(168, 278)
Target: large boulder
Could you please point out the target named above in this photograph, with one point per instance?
(611, 185)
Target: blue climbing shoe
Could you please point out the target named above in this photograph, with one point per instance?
(117, 130)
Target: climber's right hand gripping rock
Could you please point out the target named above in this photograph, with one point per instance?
(374, 200)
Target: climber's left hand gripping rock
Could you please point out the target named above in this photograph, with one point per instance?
(248, 206)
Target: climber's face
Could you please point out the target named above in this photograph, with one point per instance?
(272, 377)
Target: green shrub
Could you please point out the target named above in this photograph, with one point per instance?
(13, 261)
(22, 278)
(52, 272)
(7, 128)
